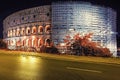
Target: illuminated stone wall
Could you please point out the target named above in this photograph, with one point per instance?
(28, 28)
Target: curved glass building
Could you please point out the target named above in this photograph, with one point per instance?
(64, 18)
(84, 18)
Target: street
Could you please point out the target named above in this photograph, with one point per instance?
(41, 68)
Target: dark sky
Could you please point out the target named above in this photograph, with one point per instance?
(9, 6)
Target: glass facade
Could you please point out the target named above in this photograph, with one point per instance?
(83, 18)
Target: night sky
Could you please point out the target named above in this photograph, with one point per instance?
(10, 6)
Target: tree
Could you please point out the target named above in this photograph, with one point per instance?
(82, 45)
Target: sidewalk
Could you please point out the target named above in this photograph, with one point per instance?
(65, 57)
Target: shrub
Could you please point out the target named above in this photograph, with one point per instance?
(82, 45)
(51, 49)
(3, 45)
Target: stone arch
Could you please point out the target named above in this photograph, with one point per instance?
(33, 42)
(14, 32)
(23, 31)
(8, 33)
(47, 42)
(40, 29)
(26, 44)
(18, 42)
(40, 42)
(11, 32)
(29, 42)
(18, 32)
(28, 30)
(34, 30)
(23, 42)
(47, 28)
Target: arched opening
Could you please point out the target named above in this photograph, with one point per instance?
(40, 29)
(23, 43)
(26, 44)
(29, 42)
(10, 33)
(33, 43)
(34, 30)
(23, 31)
(47, 29)
(14, 32)
(13, 42)
(40, 41)
(18, 32)
(47, 42)
(28, 30)
(18, 43)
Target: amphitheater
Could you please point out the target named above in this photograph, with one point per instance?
(41, 25)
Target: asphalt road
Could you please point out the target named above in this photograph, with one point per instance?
(40, 68)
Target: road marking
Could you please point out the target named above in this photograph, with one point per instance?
(88, 70)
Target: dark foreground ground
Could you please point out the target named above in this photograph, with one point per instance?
(21, 67)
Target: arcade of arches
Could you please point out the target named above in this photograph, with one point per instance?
(29, 36)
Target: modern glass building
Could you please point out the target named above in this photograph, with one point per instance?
(66, 18)
(84, 18)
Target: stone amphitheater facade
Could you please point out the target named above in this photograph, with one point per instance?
(28, 28)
